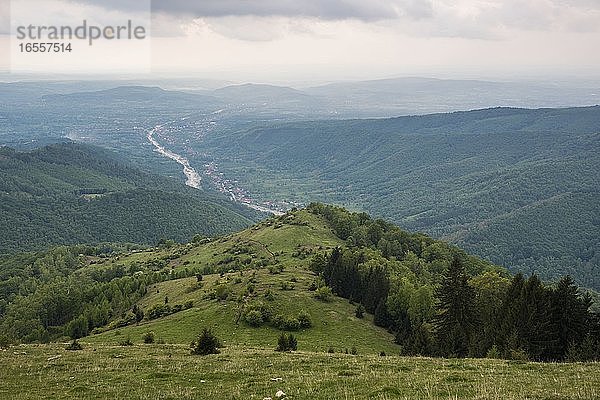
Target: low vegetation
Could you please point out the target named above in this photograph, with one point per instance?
(170, 371)
(287, 342)
(207, 343)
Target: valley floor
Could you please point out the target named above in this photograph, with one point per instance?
(170, 372)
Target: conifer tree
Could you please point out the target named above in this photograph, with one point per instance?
(569, 315)
(508, 317)
(537, 330)
(526, 321)
(381, 316)
(456, 318)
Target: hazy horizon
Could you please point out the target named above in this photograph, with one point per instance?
(321, 41)
(300, 82)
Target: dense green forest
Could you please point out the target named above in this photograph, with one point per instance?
(435, 298)
(69, 194)
(518, 187)
(439, 301)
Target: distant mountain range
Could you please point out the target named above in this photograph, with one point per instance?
(374, 98)
(129, 94)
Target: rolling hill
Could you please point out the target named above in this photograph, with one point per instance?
(267, 264)
(514, 185)
(418, 95)
(239, 271)
(304, 272)
(131, 96)
(69, 193)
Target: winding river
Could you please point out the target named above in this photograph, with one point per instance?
(193, 178)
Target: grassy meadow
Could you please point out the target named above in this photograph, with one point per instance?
(141, 371)
(334, 323)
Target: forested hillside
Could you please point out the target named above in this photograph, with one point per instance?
(517, 186)
(290, 274)
(69, 193)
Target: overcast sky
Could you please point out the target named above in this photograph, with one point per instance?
(278, 40)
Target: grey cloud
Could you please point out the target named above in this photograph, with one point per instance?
(417, 17)
(510, 12)
(328, 9)
(367, 10)
(416, 9)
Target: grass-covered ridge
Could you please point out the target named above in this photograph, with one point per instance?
(339, 280)
(80, 290)
(266, 266)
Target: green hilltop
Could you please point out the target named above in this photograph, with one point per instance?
(266, 265)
